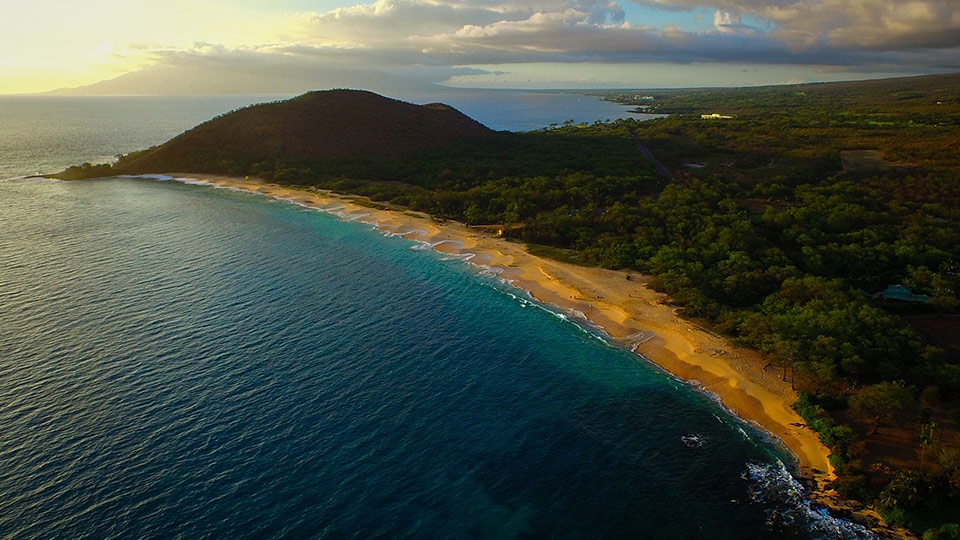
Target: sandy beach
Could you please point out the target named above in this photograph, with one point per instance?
(623, 307)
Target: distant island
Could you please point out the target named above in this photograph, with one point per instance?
(816, 227)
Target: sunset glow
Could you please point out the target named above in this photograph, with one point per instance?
(48, 44)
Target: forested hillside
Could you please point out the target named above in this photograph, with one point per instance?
(820, 224)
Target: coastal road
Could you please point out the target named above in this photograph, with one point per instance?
(657, 166)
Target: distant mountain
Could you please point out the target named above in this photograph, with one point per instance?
(226, 78)
(939, 87)
(926, 95)
(318, 126)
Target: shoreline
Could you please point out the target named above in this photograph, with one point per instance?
(623, 307)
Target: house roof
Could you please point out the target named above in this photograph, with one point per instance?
(903, 294)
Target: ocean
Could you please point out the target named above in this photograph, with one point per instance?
(47, 134)
(183, 361)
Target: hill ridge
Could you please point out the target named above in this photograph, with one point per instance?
(321, 125)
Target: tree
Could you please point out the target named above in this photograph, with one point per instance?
(903, 491)
(948, 459)
(928, 435)
(884, 401)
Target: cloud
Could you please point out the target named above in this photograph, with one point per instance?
(432, 40)
(728, 23)
(463, 32)
(887, 25)
(209, 68)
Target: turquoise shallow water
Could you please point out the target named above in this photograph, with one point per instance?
(181, 361)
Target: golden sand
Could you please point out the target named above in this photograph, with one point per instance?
(616, 301)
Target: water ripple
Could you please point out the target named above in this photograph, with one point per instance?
(178, 361)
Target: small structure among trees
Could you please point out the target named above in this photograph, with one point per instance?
(901, 293)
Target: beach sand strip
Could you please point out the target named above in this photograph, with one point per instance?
(617, 302)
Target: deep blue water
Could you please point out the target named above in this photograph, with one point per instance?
(182, 361)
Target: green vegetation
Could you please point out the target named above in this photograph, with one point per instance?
(777, 227)
(783, 222)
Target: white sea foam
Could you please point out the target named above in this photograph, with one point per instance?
(493, 271)
(30, 179)
(693, 440)
(355, 217)
(633, 341)
(422, 246)
(575, 317)
(397, 234)
(756, 430)
(750, 430)
(439, 243)
(185, 180)
(788, 508)
(288, 200)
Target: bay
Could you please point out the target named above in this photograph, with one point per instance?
(180, 361)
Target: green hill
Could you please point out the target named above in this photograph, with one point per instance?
(317, 126)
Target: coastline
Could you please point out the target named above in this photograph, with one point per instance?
(623, 307)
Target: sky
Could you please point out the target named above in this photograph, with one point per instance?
(50, 44)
